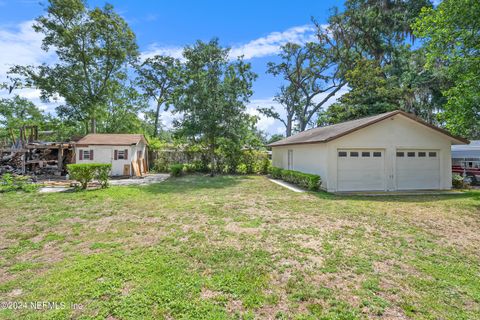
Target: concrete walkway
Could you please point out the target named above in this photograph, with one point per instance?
(146, 180)
(287, 185)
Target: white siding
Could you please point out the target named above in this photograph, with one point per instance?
(397, 132)
(105, 154)
(307, 158)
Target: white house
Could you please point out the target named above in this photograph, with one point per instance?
(386, 152)
(126, 152)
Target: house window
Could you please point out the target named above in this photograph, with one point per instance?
(422, 154)
(354, 154)
(411, 154)
(365, 154)
(121, 155)
(85, 154)
(377, 154)
(432, 154)
(400, 154)
(342, 153)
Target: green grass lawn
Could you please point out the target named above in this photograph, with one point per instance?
(238, 248)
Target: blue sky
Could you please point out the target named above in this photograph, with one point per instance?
(255, 29)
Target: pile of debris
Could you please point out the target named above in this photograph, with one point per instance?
(11, 163)
(26, 154)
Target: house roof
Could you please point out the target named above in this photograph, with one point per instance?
(329, 133)
(111, 139)
(471, 150)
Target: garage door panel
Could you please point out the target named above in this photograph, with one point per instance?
(360, 172)
(419, 171)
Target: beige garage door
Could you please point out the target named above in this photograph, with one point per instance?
(360, 170)
(417, 169)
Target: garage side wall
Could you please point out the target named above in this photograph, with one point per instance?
(391, 134)
(308, 158)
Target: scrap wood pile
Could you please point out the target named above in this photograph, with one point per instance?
(11, 163)
(36, 159)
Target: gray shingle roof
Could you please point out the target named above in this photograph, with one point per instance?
(325, 134)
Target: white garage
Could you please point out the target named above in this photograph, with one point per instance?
(360, 169)
(417, 169)
(386, 152)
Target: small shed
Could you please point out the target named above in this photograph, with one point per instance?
(386, 152)
(126, 152)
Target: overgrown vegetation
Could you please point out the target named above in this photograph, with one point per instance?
(85, 173)
(304, 180)
(176, 169)
(247, 161)
(9, 182)
(458, 182)
(239, 247)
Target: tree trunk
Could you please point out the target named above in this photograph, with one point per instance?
(212, 158)
(288, 132)
(93, 125)
(157, 115)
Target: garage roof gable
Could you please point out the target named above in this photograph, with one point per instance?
(329, 133)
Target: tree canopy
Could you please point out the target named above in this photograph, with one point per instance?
(211, 101)
(93, 46)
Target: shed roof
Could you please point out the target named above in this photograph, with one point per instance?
(111, 139)
(328, 133)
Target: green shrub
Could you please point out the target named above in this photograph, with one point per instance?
(276, 173)
(176, 169)
(458, 182)
(242, 168)
(103, 173)
(265, 166)
(86, 172)
(304, 180)
(8, 183)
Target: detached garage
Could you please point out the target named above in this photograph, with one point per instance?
(386, 152)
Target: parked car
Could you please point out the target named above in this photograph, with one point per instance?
(466, 161)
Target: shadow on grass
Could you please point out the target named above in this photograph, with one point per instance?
(473, 195)
(195, 182)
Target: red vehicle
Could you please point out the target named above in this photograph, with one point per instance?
(468, 168)
(466, 161)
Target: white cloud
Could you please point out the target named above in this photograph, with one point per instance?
(21, 45)
(261, 47)
(155, 49)
(271, 43)
(265, 123)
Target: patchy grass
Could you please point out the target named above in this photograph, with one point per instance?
(239, 248)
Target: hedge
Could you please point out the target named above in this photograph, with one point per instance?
(86, 172)
(176, 169)
(304, 180)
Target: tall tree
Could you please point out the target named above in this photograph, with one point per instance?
(313, 77)
(93, 47)
(378, 36)
(451, 32)
(124, 107)
(158, 77)
(290, 98)
(211, 103)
